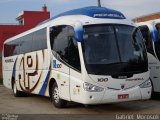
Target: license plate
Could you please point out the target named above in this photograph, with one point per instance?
(123, 96)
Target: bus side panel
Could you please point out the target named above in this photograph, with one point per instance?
(154, 65)
(33, 72)
(41, 86)
(9, 68)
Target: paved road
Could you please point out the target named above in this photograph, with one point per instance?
(42, 105)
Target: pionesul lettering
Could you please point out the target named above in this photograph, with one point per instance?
(9, 60)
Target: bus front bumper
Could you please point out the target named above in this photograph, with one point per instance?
(113, 96)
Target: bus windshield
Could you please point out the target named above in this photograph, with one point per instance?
(114, 49)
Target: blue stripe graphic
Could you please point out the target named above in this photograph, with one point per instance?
(43, 89)
(54, 64)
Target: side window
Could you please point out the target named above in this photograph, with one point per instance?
(64, 45)
(39, 40)
(26, 44)
(31, 42)
(60, 44)
(11, 48)
(146, 35)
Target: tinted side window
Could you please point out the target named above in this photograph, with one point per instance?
(26, 44)
(60, 45)
(29, 43)
(64, 45)
(146, 35)
(39, 40)
(11, 48)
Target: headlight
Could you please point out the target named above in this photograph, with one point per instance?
(92, 88)
(146, 84)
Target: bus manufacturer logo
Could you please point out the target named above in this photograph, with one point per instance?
(102, 79)
(9, 61)
(122, 77)
(135, 79)
(122, 86)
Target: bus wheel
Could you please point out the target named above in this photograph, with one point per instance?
(153, 95)
(56, 100)
(16, 92)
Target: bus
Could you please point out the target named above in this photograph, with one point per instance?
(91, 55)
(151, 33)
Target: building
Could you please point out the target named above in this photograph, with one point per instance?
(0, 66)
(26, 20)
(147, 17)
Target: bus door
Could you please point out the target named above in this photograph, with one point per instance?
(60, 68)
(75, 69)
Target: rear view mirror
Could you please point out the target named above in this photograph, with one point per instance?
(78, 28)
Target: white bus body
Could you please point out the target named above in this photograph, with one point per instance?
(151, 34)
(91, 55)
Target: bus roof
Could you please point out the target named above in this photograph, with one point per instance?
(93, 11)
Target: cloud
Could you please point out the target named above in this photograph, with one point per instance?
(5, 1)
(133, 8)
(59, 1)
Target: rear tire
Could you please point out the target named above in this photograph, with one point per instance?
(16, 92)
(56, 100)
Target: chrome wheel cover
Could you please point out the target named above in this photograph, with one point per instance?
(14, 88)
(56, 95)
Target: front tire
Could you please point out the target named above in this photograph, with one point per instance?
(56, 100)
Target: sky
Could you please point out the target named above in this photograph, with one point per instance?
(9, 9)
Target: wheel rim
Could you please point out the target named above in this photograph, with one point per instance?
(14, 88)
(56, 94)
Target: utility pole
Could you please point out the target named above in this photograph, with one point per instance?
(99, 3)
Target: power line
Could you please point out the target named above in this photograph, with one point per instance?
(99, 3)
